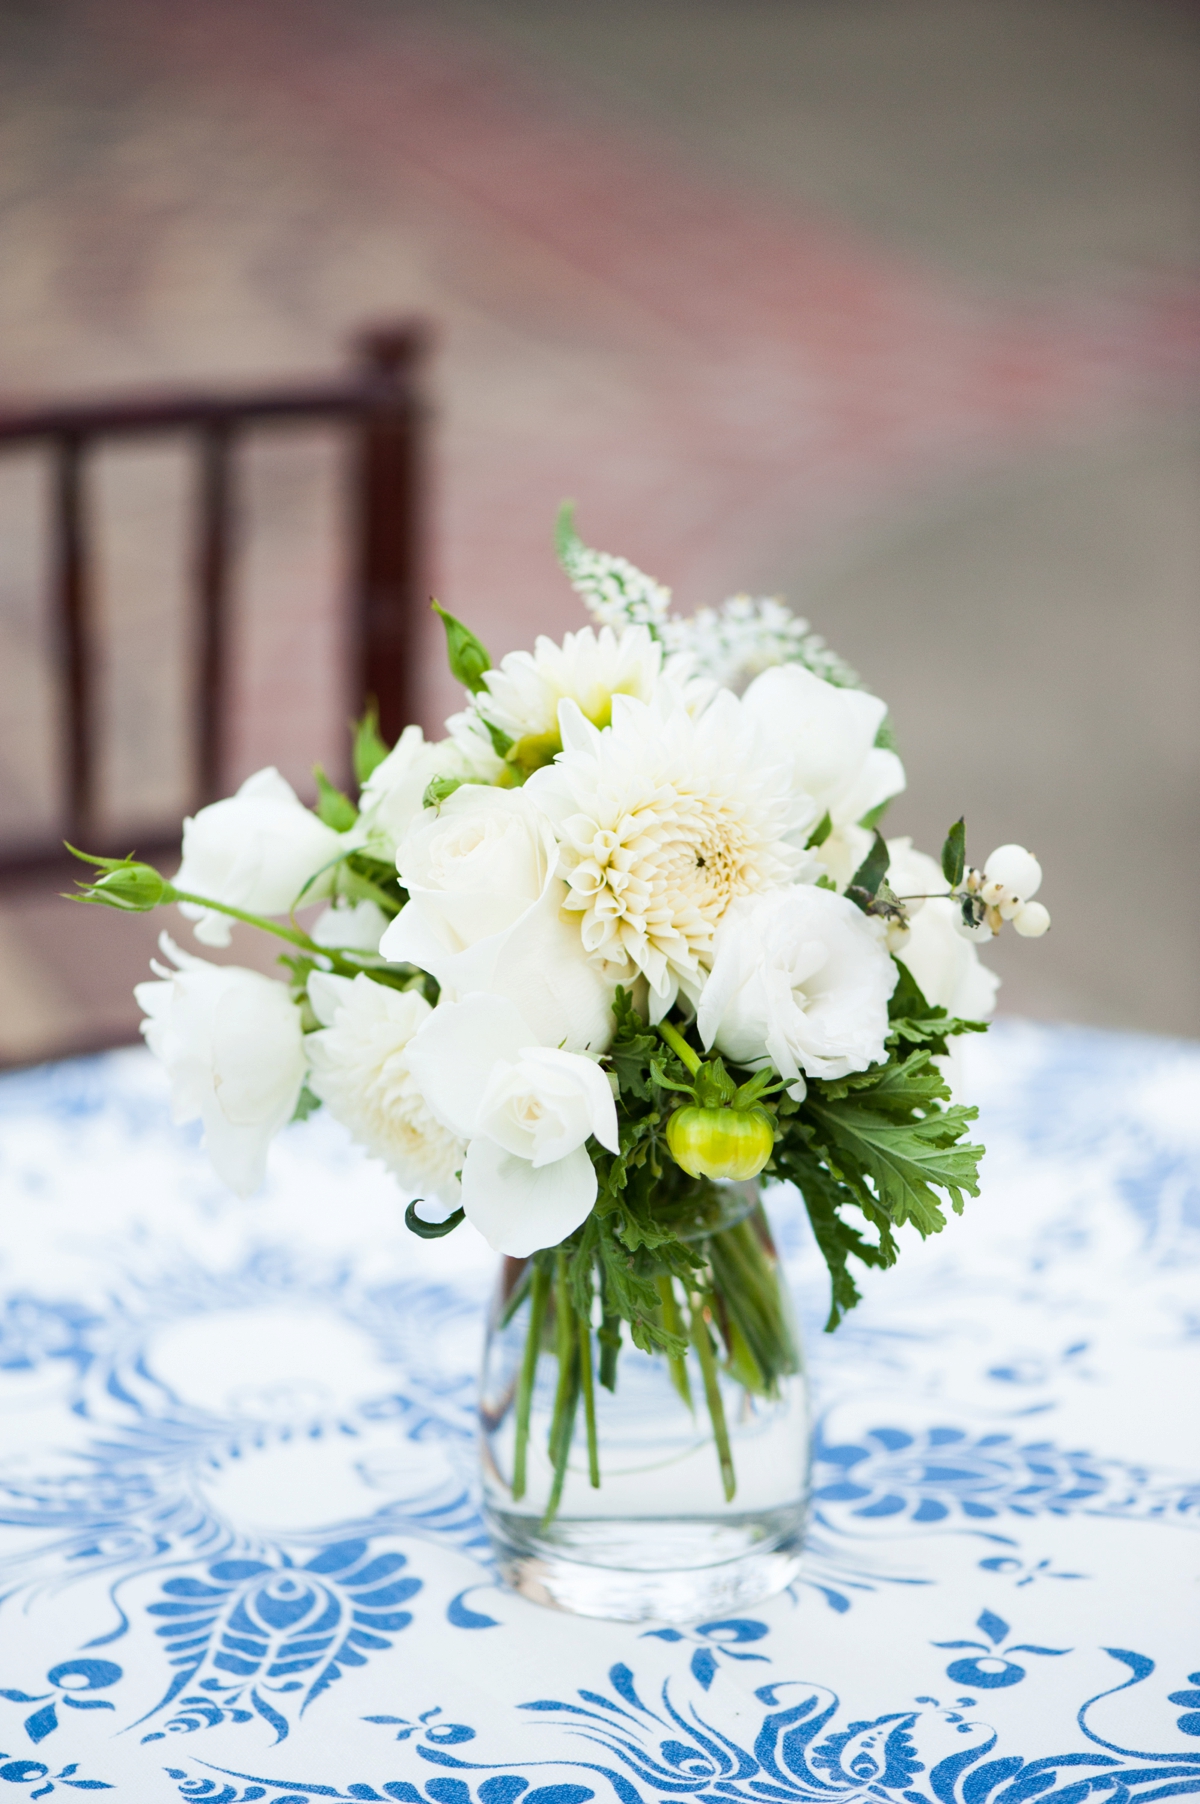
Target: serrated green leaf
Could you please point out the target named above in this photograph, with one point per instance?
(895, 1088)
(905, 1160)
(820, 832)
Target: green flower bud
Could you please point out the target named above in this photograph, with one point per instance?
(132, 886)
(468, 657)
(721, 1143)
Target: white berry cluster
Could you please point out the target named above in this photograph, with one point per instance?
(1003, 891)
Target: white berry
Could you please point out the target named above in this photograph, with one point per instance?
(1031, 920)
(1017, 869)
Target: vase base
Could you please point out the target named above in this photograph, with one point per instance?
(638, 1592)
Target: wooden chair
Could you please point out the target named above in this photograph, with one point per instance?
(380, 403)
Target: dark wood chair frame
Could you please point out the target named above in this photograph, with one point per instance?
(381, 403)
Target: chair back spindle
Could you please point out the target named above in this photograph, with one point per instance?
(381, 405)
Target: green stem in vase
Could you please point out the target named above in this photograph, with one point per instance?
(609, 1338)
(589, 1400)
(539, 1289)
(702, 1342)
(566, 1395)
(747, 1281)
(673, 1323)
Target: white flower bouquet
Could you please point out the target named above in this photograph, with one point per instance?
(627, 938)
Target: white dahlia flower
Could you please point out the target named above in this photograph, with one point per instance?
(663, 821)
(588, 667)
(360, 1071)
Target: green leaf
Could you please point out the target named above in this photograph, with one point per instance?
(567, 543)
(895, 1088)
(885, 738)
(468, 656)
(904, 1160)
(823, 1197)
(369, 749)
(820, 832)
(954, 853)
(430, 1230)
(864, 885)
(873, 816)
(306, 1104)
(334, 808)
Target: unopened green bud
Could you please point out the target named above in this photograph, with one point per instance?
(467, 655)
(137, 887)
(721, 1143)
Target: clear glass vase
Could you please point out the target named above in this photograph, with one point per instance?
(681, 1492)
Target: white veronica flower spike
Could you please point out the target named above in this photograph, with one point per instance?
(526, 1111)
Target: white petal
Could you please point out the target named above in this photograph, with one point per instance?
(268, 785)
(327, 993)
(453, 1053)
(587, 1076)
(518, 1209)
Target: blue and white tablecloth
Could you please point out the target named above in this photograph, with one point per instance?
(239, 1554)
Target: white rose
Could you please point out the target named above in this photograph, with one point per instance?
(945, 965)
(392, 796)
(361, 1073)
(829, 735)
(256, 850)
(526, 1110)
(234, 1050)
(799, 981)
(484, 914)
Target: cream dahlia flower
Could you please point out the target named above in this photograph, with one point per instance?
(588, 667)
(360, 1071)
(663, 821)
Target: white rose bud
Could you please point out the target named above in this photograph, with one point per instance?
(1031, 920)
(1015, 869)
(256, 850)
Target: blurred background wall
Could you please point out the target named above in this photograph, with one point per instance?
(889, 306)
